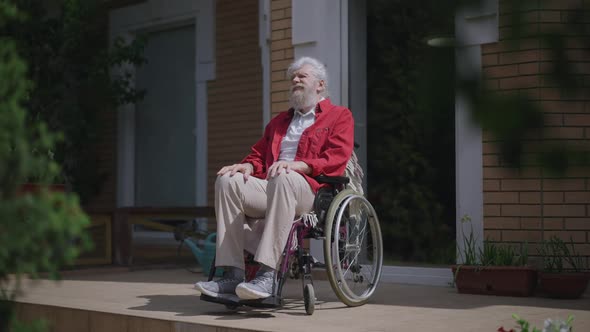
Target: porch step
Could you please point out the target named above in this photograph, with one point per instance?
(78, 320)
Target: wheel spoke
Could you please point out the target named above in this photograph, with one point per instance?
(354, 248)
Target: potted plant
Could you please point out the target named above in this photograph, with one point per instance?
(565, 273)
(494, 270)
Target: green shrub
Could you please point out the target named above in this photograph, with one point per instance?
(39, 232)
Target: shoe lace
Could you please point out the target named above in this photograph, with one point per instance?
(261, 279)
(226, 280)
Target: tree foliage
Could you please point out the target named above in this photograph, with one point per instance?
(70, 66)
(39, 231)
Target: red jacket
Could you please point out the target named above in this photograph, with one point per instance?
(326, 146)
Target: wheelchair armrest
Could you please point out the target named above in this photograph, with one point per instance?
(333, 180)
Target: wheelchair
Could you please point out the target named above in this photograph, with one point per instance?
(353, 250)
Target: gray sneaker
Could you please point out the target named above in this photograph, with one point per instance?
(258, 288)
(216, 288)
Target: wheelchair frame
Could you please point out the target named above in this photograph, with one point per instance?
(295, 253)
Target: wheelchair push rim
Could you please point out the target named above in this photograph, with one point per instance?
(353, 248)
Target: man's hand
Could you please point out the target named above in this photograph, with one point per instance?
(278, 167)
(245, 168)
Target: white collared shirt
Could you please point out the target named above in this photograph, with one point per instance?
(299, 123)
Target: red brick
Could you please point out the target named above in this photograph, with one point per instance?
(491, 160)
(564, 133)
(491, 84)
(583, 249)
(530, 198)
(577, 55)
(491, 185)
(277, 14)
(581, 67)
(289, 51)
(549, 16)
(577, 119)
(553, 119)
(501, 223)
(563, 210)
(492, 235)
(577, 223)
(500, 197)
(279, 96)
(501, 71)
(278, 34)
(280, 64)
(577, 197)
(277, 55)
(490, 210)
(490, 48)
(279, 106)
(520, 185)
(282, 86)
(489, 60)
(519, 57)
(563, 106)
(280, 44)
(530, 223)
(528, 68)
(578, 172)
(278, 75)
(280, 24)
(279, 4)
(499, 173)
(552, 197)
(490, 148)
(576, 236)
(553, 223)
(521, 210)
(519, 82)
(561, 4)
(522, 236)
(564, 184)
(529, 44)
(547, 94)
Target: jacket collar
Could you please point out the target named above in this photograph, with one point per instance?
(323, 105)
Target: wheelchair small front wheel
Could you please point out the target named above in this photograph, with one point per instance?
(353, 248)
(309, 299)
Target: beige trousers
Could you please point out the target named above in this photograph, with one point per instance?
(257, 215)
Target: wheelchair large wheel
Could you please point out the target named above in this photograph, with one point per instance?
(353, 248)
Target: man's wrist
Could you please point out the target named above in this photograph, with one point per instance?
(303, 167)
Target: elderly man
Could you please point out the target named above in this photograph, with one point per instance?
(275, 182)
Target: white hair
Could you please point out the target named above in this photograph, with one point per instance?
(317, 68)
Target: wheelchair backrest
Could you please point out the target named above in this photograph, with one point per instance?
(355, 173)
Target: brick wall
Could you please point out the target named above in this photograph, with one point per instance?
(235, 96)
(281, 54)
(532, 205)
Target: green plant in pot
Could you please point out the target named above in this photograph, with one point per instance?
(565, 272)
(493, 269)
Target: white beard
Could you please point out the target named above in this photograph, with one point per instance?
(302, 99)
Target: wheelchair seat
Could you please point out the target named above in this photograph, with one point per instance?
(353, 249)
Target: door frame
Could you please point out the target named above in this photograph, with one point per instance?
(155, 15)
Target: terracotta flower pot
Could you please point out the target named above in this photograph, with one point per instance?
(564, 285)
(495, 280)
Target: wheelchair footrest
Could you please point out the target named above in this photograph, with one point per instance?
(227, 299)
(269, 302)
(234, 301)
